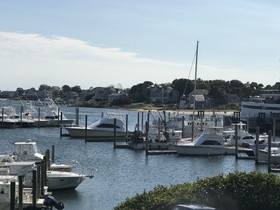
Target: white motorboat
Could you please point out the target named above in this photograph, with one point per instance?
(274, 155)
(32, 114)
(101, 130)
(53, 116)
(28, 151)
(56, 180)
(60, 180)
(210, 142)
(6, 122)
(244, 138)
(16, 119)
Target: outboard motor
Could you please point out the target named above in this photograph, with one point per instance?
(50, 201)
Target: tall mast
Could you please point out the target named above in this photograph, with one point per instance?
(194, 90)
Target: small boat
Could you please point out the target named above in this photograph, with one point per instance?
(60, 180)
(101, 130)
(210, 142)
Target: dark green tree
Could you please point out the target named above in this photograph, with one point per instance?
(183, 86)
(219, 95)
(140, 92)
(44, 87)
(77, 89)
(66, 88)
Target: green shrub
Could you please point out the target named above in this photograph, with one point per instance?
(235, 191)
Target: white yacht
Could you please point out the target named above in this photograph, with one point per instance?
(210, 142)
(102, 129)
(56, 180)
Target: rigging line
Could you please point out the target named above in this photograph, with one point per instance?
(190, 72)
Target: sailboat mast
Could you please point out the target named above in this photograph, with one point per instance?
(194, 90)
(195, 75)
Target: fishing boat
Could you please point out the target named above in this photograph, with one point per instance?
(100, 130)
(28, 151)
(210, 142)
(55, 180)
(52, 114)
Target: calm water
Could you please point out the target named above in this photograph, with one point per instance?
(119, 173)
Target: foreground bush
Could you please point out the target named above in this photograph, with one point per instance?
(235, 191)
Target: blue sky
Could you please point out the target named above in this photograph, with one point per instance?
(125, 42)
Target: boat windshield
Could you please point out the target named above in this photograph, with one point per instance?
(28, 149)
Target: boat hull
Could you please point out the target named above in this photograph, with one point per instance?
(101, 135)
(64, 182)
(263, 157)
(200, 150)
(57, 123)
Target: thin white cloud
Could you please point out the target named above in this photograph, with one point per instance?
(28, 60)
(60, 60)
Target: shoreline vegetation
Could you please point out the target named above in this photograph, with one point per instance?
(234, 191)
(145, 107)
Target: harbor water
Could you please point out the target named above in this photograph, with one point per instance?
(118, 173)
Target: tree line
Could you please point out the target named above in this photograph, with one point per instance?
(218, 90)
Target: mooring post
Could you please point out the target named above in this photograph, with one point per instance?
(86, 128)
(12, 195)
(34, 186)
(77, 116)
(138, 120)
(21, 113)
(43, 181)
(147, 138)
(269, 152)
(52, 154)
(20, 192)
(2, 120)
(115, 133)
(126, 124)
(158, 128)
(236, 139)
(164, 121)
(39, 176)
(142, 122)
(274, 129)
(183, 126)
(39, 117)
(58, 117)
(47, 154)
(257, 144)
(44, 174)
